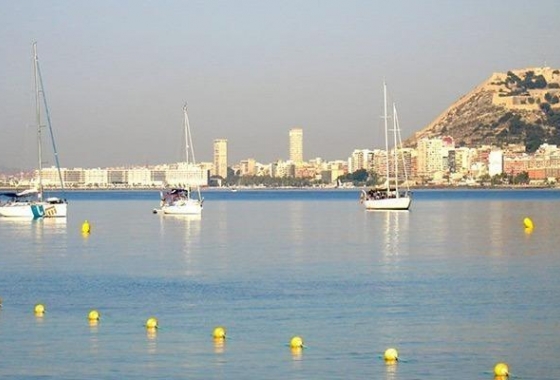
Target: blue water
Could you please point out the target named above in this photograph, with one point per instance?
(456, 285)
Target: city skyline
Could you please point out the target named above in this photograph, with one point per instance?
(115, 74)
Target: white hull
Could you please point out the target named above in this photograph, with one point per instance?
(402, 203)
(190, 207)
(33, 210)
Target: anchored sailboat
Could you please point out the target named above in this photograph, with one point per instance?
(32, 203)
(389, 196)
(183, 201)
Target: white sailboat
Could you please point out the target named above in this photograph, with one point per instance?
(32, 203)
(389, 196)
(183, 201)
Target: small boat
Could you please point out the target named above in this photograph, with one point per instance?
(179, 201)
(31, 203)
(389, 196)
(182, 201)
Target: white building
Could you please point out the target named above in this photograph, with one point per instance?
(495, 162)
(361, 159)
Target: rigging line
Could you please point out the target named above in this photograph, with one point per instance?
(48, 115)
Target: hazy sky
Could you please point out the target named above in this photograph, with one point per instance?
(117, 73)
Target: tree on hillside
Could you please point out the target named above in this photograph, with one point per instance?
(535, 138)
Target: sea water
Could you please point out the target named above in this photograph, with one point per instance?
(456, 285)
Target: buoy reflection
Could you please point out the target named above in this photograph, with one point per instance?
(219, 345)
(297, 353)
(151, 333)
(391, 370)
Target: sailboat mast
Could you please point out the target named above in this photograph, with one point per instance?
(189, 145)
(42, 95)
(403, 161)
(38, 119)
(386, 133)
(395, 152)
(186, 126)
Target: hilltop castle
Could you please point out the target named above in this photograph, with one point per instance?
(511, 94)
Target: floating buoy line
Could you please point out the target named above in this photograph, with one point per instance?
(296, 344)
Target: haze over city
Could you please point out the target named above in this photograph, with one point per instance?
(116, 74)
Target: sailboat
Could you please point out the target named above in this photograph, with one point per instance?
(389, 196)
(32, 203)
(183, 201)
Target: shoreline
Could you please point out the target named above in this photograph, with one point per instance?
(288, 188)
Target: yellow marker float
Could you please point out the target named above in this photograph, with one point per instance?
(296, 342)
(39, 310)
(94, 315)
(391, 355)
(152, 323)
(86, 228)
(501, 370)
(528, 223)
(219, 333)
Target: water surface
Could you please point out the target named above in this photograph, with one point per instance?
(456, 285)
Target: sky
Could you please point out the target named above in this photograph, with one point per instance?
(117, 73)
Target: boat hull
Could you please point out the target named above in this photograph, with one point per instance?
(401, 203)
(191, 207)
(33, 210)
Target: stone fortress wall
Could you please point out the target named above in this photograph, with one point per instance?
(529, 101)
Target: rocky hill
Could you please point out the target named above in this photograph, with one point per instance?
(517, 107)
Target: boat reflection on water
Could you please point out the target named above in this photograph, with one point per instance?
(185, 230)
(190, 222)
(185, 217)
(36, 229)
(189, 225)
(395, 225)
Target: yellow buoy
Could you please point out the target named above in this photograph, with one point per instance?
(152, 323)
(86, 228)
(501, 369)
(391, 355)
(94, 315)
(528, 223)
(39, 309)
(219, 333)
(296, 342)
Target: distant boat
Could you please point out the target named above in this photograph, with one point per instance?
(183, 201)
(32, 203)
(389, 196)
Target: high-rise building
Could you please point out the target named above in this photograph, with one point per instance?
(296, 145)
(220, 158)
(430, 156)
